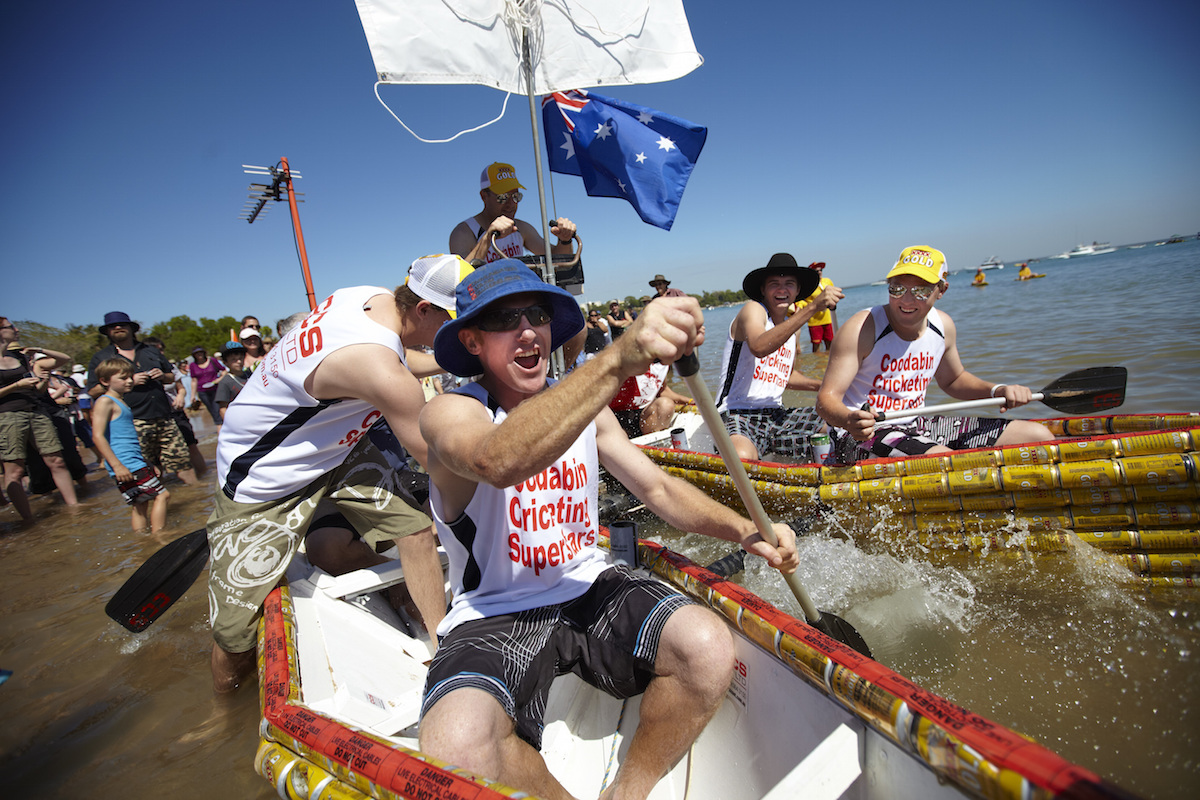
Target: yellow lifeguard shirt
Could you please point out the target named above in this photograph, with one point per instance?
(821, 317)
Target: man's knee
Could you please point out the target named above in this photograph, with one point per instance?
(699, 650)
(466, 728)
(1020, 431)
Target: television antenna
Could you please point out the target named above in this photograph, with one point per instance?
(279, 189)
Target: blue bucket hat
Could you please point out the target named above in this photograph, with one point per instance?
(486, 285)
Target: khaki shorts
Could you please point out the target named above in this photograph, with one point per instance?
(253, 543)
(162, 443)
(17, 428)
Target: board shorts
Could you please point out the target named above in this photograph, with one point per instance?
(783, 431)
(144, 487)
(163, 444)
(630, 421)
(820, 333)
(608, 637)
(18, 428)
(253, 543)
(922, 434)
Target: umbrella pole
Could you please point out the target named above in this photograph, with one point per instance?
(556, 364)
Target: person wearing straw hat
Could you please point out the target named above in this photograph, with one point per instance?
(662, 288)
(309, 426)
(759, 361)
(514, 466)
(884, 358)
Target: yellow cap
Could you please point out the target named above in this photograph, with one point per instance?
(500, 178)
(926, 263)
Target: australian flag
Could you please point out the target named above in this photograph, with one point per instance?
(622, 150)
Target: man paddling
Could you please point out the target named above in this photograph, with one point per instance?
(885, 357)
(513, 464)
(303, 429)
(760, 357)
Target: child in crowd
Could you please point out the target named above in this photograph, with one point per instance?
(114, 435)
(234, 356)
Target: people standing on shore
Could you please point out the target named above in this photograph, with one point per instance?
(117, 440)
(759, 361)
(618, 319)
(533, 593)
(885, 358)
(205, 372)
(253, 351)
(177, 396)
(22, 422)
(234, 379)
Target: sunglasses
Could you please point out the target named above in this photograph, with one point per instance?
(507, 319)
(516, 197)
(919, 292)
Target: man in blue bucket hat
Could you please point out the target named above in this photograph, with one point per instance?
(513, 459)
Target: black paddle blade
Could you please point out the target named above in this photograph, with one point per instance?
(837, 628)
(1087, 390)
(159, 582)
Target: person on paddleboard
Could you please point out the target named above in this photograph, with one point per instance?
(306, 428)
(760, 356)
(513, 462)
(885, 357)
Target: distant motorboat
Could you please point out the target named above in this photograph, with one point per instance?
(1093, 249)
(992, 263)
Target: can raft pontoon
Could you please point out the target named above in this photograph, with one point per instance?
(1127, 484)
(341, 681)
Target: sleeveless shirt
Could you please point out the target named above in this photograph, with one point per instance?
(512, 245)
(524, 546)
(277, 438)
(750, 382)
(122, 438)
(897, 372)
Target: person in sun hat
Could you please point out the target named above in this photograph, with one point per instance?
(661, 288)
(330, 414)
(885, 357)
(513, 463)
(499, 190)
(759, 361)
(160, 439)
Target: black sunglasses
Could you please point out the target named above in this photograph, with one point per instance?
(507, 319)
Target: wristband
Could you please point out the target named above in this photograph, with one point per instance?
(997, 386)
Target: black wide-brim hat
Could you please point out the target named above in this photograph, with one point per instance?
(118, 318)
(486, 285)
(781, 264)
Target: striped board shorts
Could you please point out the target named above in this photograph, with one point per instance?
(783, 431)
(608, 637)
(923, 433)
(144, 487)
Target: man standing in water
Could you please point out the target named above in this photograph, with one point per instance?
(302, 430)
(514, 494)
(885, 357)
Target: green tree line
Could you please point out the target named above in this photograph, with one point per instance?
(179, 334)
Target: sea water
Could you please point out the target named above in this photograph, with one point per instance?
(1069, 649)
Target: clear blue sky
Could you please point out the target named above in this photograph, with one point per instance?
(839, 132)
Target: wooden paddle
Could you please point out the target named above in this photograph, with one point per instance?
(1084, 391)
(832, 626)
(159, 582)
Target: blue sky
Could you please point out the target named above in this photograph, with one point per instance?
(838, 132)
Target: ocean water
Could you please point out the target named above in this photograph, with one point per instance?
(1070, 650)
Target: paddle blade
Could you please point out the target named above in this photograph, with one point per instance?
(837, 628)
(159, 582)
(1087, 390)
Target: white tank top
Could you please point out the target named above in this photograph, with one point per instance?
(897, 372)
(525, 546)
(512, 245)
(749, 382)
(277, 438)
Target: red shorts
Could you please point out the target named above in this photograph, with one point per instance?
(820, 333)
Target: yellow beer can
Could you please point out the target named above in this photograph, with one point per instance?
(882, 469)
(1153, 492)
(928, 505)
(1089, 449)
(925, 485)
(970, 459)
(874, 489)
(974, 480)
(1155, 539)
(1101, 495)
(1033, 476)
(1041, 498)
(1086, 474)
(1103, 517)
(1109, 540)
(994, 501)
(1029, 454)
(926, 465)
(1174, 468)
(1166, 514)
(839, 492)
(1156, 443)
